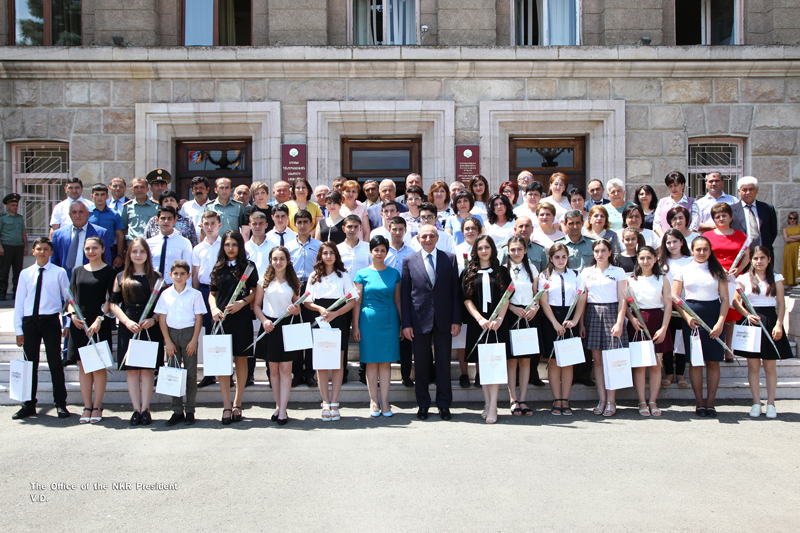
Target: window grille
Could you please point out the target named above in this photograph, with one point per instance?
(39, 172)
(714, 155)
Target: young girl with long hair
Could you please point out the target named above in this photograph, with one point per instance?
(479, 189)
(672, 255)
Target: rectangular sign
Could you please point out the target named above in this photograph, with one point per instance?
(293, 162)
(467, 162)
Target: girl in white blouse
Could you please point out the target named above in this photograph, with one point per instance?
(652, 292)
(525, 279)
(764, 290)
(604, 317)
(706, 286)
(277, 293)
(328, 283)
(673, 254)
(564, 283)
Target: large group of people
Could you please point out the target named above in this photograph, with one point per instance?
(402, 276)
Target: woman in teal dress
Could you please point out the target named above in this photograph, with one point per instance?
(376, 324)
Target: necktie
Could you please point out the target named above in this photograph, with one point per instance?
(752, 224)
(38, 296)
(72, 254)
(563, 298)
(431, 269)
(281, 234)
(486, 288)
(163, 262)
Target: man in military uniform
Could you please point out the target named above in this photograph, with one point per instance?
(159, 180)
(13, 243)
(138, 211)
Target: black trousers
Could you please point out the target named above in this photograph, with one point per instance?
(12, 260)
(406, 358)
(45, 328)
(425, 346)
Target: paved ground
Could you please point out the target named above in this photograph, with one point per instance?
(679, 473)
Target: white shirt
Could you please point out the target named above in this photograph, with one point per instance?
(500, 234)
(260, 254)
(461, 249)
(354, 259)
(54, 291)
(523, 285)
(204, 257)
(650, 238)
(602, 285)
(479, 209)
(288, 235)
(193, 211)
(545, 241)
(648, 291)
(385, 233)
(561, 294)
(446, 243)
(180, 307)
(674, 266)
(561, 207)
(178, 247)
(277, 298)
(760, 299)
(331, 286)
(705, 204)
(60, 214)
(524, 211)
(698, 283)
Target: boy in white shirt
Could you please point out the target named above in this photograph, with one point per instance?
(258, 247)
(280, 235)
(355, 252)
(169, 243)
(180, 312)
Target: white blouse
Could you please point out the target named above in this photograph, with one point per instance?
(760, 299)
(561, 207)
(461, 249)
(563, 287)
(500, 234)
(602, 285)
(675, 265)
(523, 285)
(648, 291)
(331, 286)
(277, 297)
(544, 240)
(650, 238)
(698, 283)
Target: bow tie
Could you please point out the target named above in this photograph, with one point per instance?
(486, 288)
(231, 263)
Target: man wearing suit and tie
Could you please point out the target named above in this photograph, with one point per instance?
(431, 315)
(68, 240)
(756, 219)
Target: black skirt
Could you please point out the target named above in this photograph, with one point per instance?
(547, 333)
(78, 339)
(342, 322)
(270, 348)
(523, 324)
(769, 317)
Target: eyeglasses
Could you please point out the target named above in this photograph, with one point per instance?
(427, 217)
(792, 218)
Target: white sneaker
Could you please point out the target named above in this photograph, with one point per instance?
(771, 412)
(755, 412)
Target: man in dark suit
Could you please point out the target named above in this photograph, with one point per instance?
(431, 314)
(756, 219)
(387, 191)
(68, 240)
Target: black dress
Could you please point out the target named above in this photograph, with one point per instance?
(91, 290)
(333, 233)
(133, 309)
(498, 283)
(238, 325)
(244, 220)
(625, 263)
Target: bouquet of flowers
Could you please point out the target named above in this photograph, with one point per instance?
(535, 300)
(739, 256)
(752, 311)
(680, 303)
(466, 261)
(280, 318)
(237, 291)
(500, 304)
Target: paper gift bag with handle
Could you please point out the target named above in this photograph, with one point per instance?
(569, 351)
(524, 341)
(20, 379)
(460, 340)
(492, 362)
(696, 349)
(746, 338)
(617, 372)
(643, 352)
(96, 356)
(297, 336)
(172, 379)
(678, 346)
(142, 354)
(217, 355)
(327, 349)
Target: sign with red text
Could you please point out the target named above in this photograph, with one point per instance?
(293, 162)
(467, 162)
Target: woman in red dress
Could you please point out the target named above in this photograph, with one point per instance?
(726, 243)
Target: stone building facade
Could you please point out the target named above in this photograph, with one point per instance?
(640, 110)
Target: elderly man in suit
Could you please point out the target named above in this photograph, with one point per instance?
(757, 219)
(387, 191)
(431, 315)
(68, 240)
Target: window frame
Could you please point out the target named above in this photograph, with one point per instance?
(351, 25)
(545, 37)
(48, 23)
(574, 173)
(51, 182)
(182, 23)
(733, 172)
(705, 23)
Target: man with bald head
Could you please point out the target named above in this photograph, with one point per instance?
(387, 191)
(523, 227)
(282, 192)
(431, 317)
(68, 240)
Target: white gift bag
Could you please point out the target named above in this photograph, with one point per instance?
(297, 336)
(678, 346)
(492, 363)
(217, 355)
(96, 356)
(617, 368)
(460, 340)
(142, 354)
(524, 342)
(696, 349)
(20, 380)
(172, 380)
(643, 352)
(327, 349)
(569, 352)
(746, 338)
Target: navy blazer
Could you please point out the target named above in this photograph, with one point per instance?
(374, 214)
(768, 222)
(62, 237)
(423, 305)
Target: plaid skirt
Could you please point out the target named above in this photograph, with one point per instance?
(599, 319)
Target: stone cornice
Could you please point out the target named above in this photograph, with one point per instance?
(293, 62)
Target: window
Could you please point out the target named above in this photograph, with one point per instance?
(546, 22)
(217, 23)
(379, 22)
(714, 22)
(714, 155)
(45, 22)
(39, 172)
(543, 157)
(213, 159)
(365, 160)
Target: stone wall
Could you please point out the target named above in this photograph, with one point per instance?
(785, 22)
(467, 22)
(298, 22)
(428, 16)
(137, 21)
(625, 22)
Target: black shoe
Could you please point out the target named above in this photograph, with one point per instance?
(62, 411)
(146, 418)
(464, 381)
(444, 413)
(250, 381)
(477, 381)
(235, 417)
(536, 381)
(274, 418)
(189, 421)
(282, 421)
(226, 420)
(588, 382)
(136, 418)
(408, 382)
(65, 363)
(174, 419)
(422, 413)
(24, 412)
(206, 381)
(297, 380)
(311, 381)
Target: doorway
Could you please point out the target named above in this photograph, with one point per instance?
(213, 159)
(543, 157)
(380, 159)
